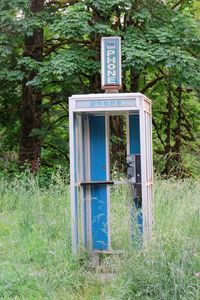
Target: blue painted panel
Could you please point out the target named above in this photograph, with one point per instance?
(99, 212)
(97, 148)
(75, 188)
(138, 206)
(84, 187)
(99, 217)
(134, 124)
(134, 134)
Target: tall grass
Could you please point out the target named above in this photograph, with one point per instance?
(169, 268)
(35, 255)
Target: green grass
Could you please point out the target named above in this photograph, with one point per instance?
(36, 260)
(170, 267)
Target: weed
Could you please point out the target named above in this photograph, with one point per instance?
(35, 250)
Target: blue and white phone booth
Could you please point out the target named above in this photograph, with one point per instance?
(90, 179)
(90, 164)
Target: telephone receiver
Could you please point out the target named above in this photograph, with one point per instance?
(134, 168)
(134, 173)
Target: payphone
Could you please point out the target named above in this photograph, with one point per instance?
(134, 173)
(90, 165)
(134, 178)
(90, 181)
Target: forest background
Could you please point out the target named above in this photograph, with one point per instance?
(50, 50)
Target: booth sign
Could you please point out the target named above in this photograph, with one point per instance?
(111, 62)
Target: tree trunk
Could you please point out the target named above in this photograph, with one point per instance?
(31, 116)
(177, 130)
(134, 80)
(168, 119)
(118, 149)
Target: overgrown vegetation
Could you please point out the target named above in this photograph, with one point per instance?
(50, 50)
(169, 268)
(36, 261)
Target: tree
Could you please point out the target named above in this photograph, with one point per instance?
(31, 115)
(160, 47)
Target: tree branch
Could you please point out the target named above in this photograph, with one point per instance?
(157, 131)
(55, 148)
(62, 4)
(53, 47)
(58, 120)
(151, 84)
(177, 4)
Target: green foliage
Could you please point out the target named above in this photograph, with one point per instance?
(160, 46)
(68, 25)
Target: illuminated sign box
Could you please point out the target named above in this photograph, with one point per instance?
(111, 62)
(105, 103)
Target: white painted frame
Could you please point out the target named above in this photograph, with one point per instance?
(74, 224)
(142, 106)
(88, 190)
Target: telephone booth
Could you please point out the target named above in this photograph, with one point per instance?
(90, 165)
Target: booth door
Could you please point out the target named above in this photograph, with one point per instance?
(99, 191)
(133, 148)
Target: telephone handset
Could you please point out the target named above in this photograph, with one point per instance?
(134, 173)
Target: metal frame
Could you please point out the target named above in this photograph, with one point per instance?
(108, 104)
(108, 175)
